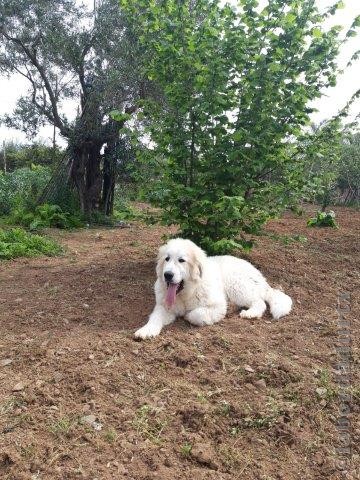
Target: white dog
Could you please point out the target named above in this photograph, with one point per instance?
(191, 285)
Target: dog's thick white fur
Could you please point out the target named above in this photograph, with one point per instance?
(191, 285)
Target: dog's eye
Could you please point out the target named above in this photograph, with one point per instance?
(167, 259)
(181, 260)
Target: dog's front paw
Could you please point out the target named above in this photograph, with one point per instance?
(147, 331)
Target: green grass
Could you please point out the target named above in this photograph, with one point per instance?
(148, 425)
(185, 449)
(16, 242)
(62, 427)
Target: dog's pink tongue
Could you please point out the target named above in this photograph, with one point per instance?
(171, 294)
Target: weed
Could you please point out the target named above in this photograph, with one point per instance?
(325, 382)
(224, 409)
(231, 457)
(185, 449)
(323, 219)
(62, 427)
(10, 404)
(291, 395)
(355, 393)
(148, 426)
(110, 435)
(201, 397)
(16, 242)
(28, 451)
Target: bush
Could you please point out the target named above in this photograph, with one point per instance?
(20, 156)
(16, 242)
(21, 188)
(323, 219)
(44, 216)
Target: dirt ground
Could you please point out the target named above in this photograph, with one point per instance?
(244, 399)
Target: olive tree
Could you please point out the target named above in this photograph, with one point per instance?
(67, 53)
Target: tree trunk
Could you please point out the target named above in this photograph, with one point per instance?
(109, 174)
(87, 177)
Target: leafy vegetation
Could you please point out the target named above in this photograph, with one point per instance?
(22, 187)
(44, 216)
(16, 242)
(16, 155)
(236, 85)
(323, 219)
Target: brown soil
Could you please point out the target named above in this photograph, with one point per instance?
(236, 400)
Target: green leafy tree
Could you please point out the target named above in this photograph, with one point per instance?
(36, 153)
(348, 180)
(236, 83)
(67, 53)
(320, 152)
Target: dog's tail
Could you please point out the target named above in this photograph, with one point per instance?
(280, 303)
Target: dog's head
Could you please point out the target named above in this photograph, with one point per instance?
(179, 262)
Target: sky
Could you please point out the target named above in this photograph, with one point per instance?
(332, 100)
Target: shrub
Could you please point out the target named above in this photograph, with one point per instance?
(323, 219)
(44, 216)
(16, 242)
(21, 188)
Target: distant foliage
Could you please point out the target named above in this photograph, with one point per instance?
(323, 219)
(235, 84)
(20, 156)
(21, 188)
(348, 180)
(16, 242)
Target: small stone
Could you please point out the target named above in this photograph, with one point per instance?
(318, 458)
(53, 407)
(5, 362)
(18, 300)
(204, 454)
(91, 420)
(321, 391)
(91, 357)
(261, 384)
(135, 351)
(86, 305)
(249, 369)
(88, 419)
(58, 377)
(323, 402)
(18, 387)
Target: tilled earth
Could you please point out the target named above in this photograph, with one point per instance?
(244, 399)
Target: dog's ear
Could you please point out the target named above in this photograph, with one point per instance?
(160, 260)
(197, 263)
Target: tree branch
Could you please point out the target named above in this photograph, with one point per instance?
(31, 55)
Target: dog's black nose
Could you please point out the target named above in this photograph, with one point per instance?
(168, 276)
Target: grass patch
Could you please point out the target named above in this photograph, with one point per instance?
(148, 425)
(110, 435)
(185, 449)
(62, 427)
(16, 242)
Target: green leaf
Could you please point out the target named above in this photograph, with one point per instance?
(317, 33)
(119, 116)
